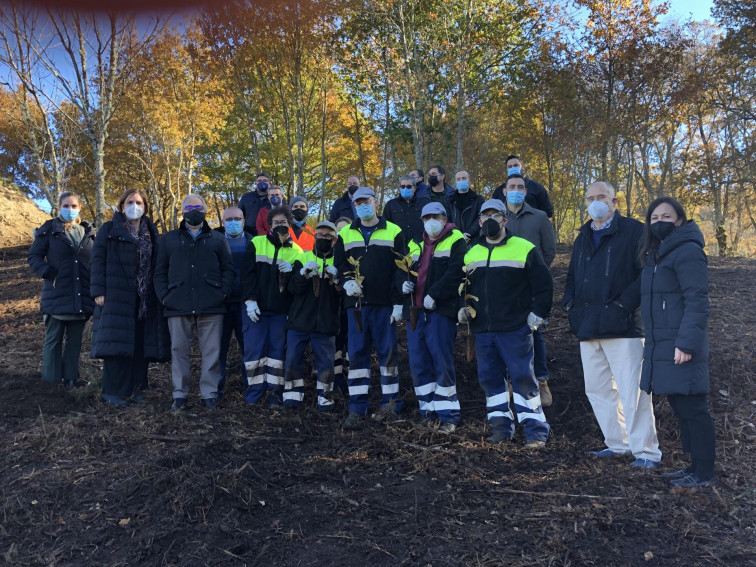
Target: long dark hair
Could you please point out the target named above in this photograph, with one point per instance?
(649, 241)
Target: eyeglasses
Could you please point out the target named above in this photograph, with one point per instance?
(324, 237)
(280, 223)
(494, 216)
(194, 207)
(406, 186)
(230, 219)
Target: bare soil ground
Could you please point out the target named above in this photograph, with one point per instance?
(84, 484)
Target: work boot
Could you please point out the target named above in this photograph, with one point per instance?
(498, 436)
(353, 420)
(535, 444)
(179, 404)
(546, 399)
(447, 428)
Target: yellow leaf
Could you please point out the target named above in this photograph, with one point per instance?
(351, 260)
(413, 273)
(124, 522)
(461, 288)
(401, 265)
(470, 296)
(473, 313)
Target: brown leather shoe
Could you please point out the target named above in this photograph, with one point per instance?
(546, 399)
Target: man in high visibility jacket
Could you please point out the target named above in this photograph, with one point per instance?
(314, 318)
(366, 255)
(267, 269)
(438, 257)
(512, 292)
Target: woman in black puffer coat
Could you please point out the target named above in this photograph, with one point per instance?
(675, 310)
(60, 256)
(129, 330)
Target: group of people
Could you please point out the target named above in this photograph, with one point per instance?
(437, 257)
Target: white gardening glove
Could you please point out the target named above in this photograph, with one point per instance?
(310, 269)
(463, 315)
(284, 266)
(408, 287)
(429, 303)
(333, 273)
(253, 311)
(396, 314)
(352, 288)
(534, 321)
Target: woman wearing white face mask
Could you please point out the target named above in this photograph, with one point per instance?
(129, 330)
(60, 255)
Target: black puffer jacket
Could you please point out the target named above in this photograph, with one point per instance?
(465, 210)
(675, 308)
(193, 277)
(114, 275)
(603, 284)
(65, 270)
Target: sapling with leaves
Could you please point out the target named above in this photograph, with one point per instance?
(405, 264)
(471, 313)
(355, 275)
(283, 277)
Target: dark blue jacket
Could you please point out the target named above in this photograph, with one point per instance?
(406, 215)
(65, 270)
(114, 274)
(537, 196)
(603, 284)
(342, 207)
(250, 204)
(675, 309)
(238, 258)
(193, 276)
(423, 190)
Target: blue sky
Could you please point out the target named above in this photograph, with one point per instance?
(683, 9)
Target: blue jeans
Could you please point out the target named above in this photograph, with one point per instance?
(378, 331)
(431, 358)
(496, 353)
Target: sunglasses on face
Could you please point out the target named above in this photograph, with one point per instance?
(230, 219)
(194, 207)
(406, 186)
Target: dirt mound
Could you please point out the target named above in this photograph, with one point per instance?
(18, 221)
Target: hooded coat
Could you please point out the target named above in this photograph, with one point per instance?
(675, 311)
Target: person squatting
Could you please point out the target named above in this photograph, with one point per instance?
(339, 290)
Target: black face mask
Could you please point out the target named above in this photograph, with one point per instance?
(433, 180)
(662, 229)
(323, 246)
(281, 231)
(491, 228)
(262, 187)
(194, 217)
(352, 189)
(299, 214)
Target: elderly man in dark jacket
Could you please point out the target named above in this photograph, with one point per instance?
(602, 297)
(193, 276)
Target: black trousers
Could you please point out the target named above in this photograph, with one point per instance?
(696, 432)
(124, 376)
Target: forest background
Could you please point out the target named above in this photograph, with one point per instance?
(311, 92)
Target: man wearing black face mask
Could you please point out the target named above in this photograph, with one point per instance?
(512, 290)
(253, 201)
(343, 207)
(267, 272)
(300, 232)
(194, 274)
(439, 190)
(313, 317)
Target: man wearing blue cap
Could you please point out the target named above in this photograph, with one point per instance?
(370, 246)
(438, 257)
(512, 292)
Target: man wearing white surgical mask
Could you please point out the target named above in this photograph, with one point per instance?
(602, 298)
(430, 306)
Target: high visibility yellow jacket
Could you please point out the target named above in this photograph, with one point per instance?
(510, 279)
(261, 276)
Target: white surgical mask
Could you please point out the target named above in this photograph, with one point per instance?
(598, 210)
(134, 211)
(433, 227)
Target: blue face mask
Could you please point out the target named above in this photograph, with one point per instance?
(69, 215)
(275, 200)
(234, 227)
(514, 170)
(406, 193)
(515, 197)
(365, 212)
(463, 186)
